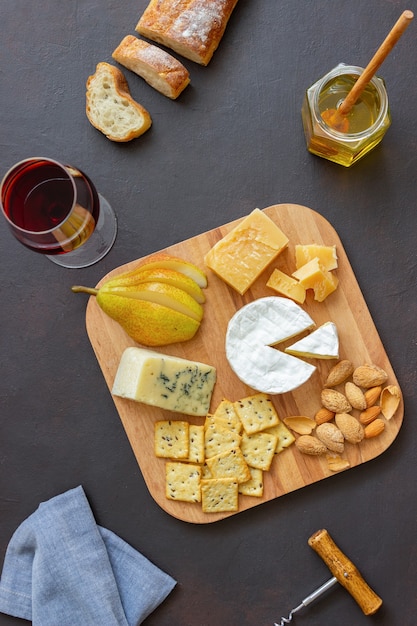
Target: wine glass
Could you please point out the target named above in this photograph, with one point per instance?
(55, 209)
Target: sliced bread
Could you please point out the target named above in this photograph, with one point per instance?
(111, 109)
(158, 68)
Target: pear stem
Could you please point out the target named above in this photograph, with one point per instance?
(80, 289)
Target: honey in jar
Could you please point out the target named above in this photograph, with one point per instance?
(366, 123)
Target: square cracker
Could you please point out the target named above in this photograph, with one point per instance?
(172, 439)
(285, 436)
(218, 439)
(226, 410)
(196, 443)
(219, 495)
(256, 413)
(182, 481)
(255, 485)
(229, 464)
(259, 449)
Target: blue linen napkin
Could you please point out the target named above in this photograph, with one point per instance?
(62, 568)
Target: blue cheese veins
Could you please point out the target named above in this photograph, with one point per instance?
(165, 381)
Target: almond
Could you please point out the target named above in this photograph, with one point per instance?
(308, 444)
(323, 415)
(390, 400)
(339, 373)
(331, 436)
(300, 424)
(355, 396)
(372, 395)
(369, 376)
(375, 428)
(352, 429)
(335, 401)
(368, 416)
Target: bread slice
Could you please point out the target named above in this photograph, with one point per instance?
(110, 107)
(193, 28)
(158, 68)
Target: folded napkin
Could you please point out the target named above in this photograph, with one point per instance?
(62, 568)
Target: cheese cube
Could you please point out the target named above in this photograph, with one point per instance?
(243, 254)
(314, 276)
(326, 255)
(287, 286)
(165, 381)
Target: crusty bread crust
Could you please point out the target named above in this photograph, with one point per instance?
(158, 68)
(193, 28)
(111, 109)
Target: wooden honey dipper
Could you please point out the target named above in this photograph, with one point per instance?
(344, 572)
(337, 118)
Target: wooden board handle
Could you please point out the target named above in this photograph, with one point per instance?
(345, 571)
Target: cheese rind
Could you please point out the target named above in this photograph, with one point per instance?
(322, 343)
(251, 332)
(243, 254)
(164, 381)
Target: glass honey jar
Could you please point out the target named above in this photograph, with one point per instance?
(366, 123)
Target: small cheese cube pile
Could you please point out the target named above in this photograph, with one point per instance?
(314, 265)
(226, 456)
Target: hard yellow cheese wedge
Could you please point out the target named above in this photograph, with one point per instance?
(287, 286)
(314, 276)
(326, 255)
(243, 254)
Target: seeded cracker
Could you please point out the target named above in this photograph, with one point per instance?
(172, 439)
(226, 411)
(219, 495)
(219, 439)
(255, 485)
(285, 436)
(196, 443)
(259, 449)
(229, 464)
(183, 481)
(256, 413)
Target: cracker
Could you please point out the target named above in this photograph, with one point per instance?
(226, 410)
(219, 495)
(259, 449)
(182, 481)
(229, 464)
(218, 439)
(171, 439)
(196, 443)
(255, 485)
(256, 413)
(285, 436)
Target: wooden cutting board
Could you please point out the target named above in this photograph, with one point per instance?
(346, 307)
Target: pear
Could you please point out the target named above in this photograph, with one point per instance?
(163, 260)
(147, 323)
(160, 275)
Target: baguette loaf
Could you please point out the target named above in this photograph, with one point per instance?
(111, 109)
(158, 68)
(193, 28)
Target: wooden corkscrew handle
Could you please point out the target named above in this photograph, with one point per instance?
(345, 571)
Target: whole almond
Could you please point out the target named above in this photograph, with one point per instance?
(351, 428)
(331, 436)
(372, 395)
(339, 373)
(369, 376)
(335, 401)
(355, 396)
(368, 416)
(375, 428)
(323, 415)
(308, 444)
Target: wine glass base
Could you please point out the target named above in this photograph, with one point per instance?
(97, 245)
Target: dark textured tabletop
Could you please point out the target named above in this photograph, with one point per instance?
(233, 141)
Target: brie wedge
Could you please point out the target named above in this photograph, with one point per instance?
(322, 343)
(250, 334)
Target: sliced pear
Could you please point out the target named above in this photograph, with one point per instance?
(160, 275)
(163, 260)
(159, 293)
(148, 323)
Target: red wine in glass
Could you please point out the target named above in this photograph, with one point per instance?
(55, 209)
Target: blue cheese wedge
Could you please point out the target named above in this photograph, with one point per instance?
(322, 343)
(165, 381)
(250, 334)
